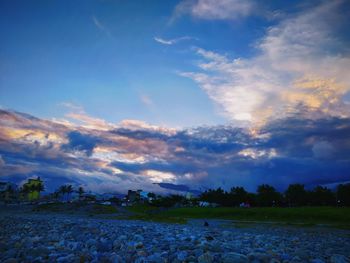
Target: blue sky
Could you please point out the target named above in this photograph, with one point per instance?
(169, 68)
(102, 56)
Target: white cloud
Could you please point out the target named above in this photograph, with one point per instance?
(141, 125)
(172, 41)
(215, 9)
(78, 117)
(159, 176)
(294, 67)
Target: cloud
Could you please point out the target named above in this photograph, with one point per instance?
(300, 63)
(78, 117)
(137, 155)
(2, 162)
(172, 41)
(323, 149)
(101, 26)
(72, 106)
(146, 100)
(215, 9)
(80, 142)
(89, 122)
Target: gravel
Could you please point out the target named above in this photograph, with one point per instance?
(58, 238)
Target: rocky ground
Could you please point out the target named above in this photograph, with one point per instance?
(57, 238)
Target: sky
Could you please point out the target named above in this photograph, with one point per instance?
(116, 95)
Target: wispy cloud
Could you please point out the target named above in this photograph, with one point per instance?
(172, 41)
(78, 116)
(101, 26)
(300, 63)
(146, 100)
(215, 9)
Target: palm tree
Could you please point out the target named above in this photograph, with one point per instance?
(62, 190)
(56, 194)
(81, 191)
(69, 190)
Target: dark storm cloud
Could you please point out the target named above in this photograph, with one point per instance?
(81, 142)
(290, 150)
(296, 137)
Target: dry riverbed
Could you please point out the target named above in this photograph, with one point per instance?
(32, 237)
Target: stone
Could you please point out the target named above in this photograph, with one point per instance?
(234, 257)
(10, 260)
(116, 245)
(116, 259)
(337, 258)
(182, 255)
(205, 258)
(91, 242)
(138, 238)
(209, 238)
(122, 238)
(260, 257)
(226, 234)
(156, 258)
(139, 245)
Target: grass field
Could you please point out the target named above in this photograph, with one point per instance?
(336, 216)
(92, 209)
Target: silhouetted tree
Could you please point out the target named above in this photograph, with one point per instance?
(238, 195)
(268, 196)
(218, 196)
(69, 190)
(296, 195)
(25, 189)
(343, 194)
(66, 190)
(151, 195)
(39, 187)
(81, 191)
(62, 190)
(169, 201)
(322, 196)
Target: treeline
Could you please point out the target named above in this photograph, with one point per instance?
(266, 195)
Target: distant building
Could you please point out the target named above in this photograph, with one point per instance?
(133, 196)
(207, 204)
(138, 196)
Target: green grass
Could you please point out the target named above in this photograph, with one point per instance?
(94, 209)
(159, 218)
(141, 209)
(103, 209)
(305, 215)
(153, 214)
(302, 216)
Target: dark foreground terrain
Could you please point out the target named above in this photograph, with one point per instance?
(49, 237)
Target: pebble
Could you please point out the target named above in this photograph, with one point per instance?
(46, 238)
(205, 258)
